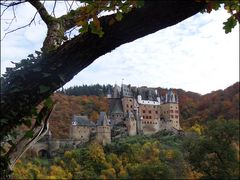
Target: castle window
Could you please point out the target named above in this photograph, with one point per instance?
(171, 111)
(171, 116)
(176, 111)
(143, 117)
(149, 112)
(130, 100)
(143, 111)
(127, 105)
(146, 117)
(156, 112)
(176, 116)
(150, 117)
(131, 106)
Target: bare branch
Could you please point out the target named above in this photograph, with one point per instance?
(33, 19)
(70, 7)
(14, 17)
(66, 6)
(54, 6)
(7, 4)
(42, 11)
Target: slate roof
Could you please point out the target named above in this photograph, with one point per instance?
(82, 121)
(126, 91)
(147, 94)
(116, 106)
(171, 97)
(103, 120)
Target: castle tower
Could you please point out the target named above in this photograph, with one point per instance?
(170, 111)
(103, 129)
(139, 128)
(109, 95)
(116, 91)
(131, 124)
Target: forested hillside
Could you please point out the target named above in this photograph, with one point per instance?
(194, 108)
(211, 153)
(67, 106)
(217, 104)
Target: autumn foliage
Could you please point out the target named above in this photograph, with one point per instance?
(67, 106)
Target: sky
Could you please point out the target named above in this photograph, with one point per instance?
(194, 55)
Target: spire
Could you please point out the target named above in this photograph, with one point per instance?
(109, 95)
(171, 97)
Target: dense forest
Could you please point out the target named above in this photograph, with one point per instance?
(87, 90)
(208, 151)
(209, 148)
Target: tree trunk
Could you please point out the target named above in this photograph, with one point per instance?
(29, 86)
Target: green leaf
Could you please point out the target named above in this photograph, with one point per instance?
(48, 103)
(43, 89)
(96, 30)
(119, 16)
(229, 24)
(29, 134)
(84, 28)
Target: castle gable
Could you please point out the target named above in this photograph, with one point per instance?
(81, 121)
(116, 106)
(103, 120)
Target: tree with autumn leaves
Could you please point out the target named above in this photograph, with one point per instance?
(210, 151)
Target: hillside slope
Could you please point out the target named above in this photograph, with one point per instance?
(194, 108)
(67, 106)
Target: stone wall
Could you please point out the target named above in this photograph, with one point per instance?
(170, 111)
(81, 133)
(103, 134)
(127, 104)
(131, 127)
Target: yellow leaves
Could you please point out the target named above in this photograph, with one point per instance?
(97, 153)
(96, 22)
(109, 173)
(68, 154)
(196, 128)
(59, 173)
(170, 154)
(94, 116)
(122, 173)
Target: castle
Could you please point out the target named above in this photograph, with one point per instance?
(136, 111)
(141, 111)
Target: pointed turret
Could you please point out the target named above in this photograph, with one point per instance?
(109, 94)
